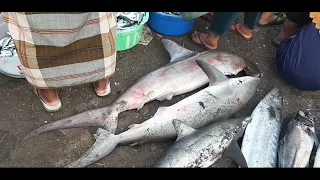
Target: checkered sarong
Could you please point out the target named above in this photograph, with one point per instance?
(59, 49)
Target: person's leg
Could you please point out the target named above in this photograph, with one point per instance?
(270, 18)
(289, 28)
(102, 87)
(220, 23)
(246, 29)
(50, 96)
(294, 21)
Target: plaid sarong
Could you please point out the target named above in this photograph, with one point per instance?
(59, 49)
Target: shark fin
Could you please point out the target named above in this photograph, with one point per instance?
(182, 129)
(176, 51)
(234, 152)
(213, 74)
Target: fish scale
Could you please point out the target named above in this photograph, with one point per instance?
(297, 143)
(260, 141)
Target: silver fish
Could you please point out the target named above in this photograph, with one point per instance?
(221, 99)
(261, 137)
(297, 141)
(204, 146)
(180, 76)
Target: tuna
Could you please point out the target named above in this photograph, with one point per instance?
(180, 76)
(261, 138)
(221, 99)
(204, 146)
(297, 141)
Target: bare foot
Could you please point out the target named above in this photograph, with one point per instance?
(208, 40)
(270, 18)
(50, 96)
(100, 86)
(243, 30)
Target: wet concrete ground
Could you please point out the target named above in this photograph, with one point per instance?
(21, 111)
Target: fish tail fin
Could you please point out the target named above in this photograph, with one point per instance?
(111, 121)
(105, 143)
(94, 117)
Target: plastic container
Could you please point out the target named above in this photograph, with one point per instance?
(127, 39)
(169, 25)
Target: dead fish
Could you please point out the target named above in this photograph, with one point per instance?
(297, 141)
(221, 99)
(261, 138)
(180, 76)
(204, 146)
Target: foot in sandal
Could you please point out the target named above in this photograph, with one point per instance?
(49, 99)
(209, 40)
(102, 87)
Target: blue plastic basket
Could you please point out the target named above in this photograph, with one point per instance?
(169, 25)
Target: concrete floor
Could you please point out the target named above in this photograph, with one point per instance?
(21, 111)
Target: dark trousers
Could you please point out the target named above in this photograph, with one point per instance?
(221, 21)
(300, 18)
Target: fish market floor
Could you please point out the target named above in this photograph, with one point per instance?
(21, 111)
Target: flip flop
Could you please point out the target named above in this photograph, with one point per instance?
(276, 21)
(200, 41)
(48, 107)
(108, 90)
(239, 33)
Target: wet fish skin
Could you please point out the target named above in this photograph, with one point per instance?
(296, 144)
(216, 102)
(261, 138)
(204, 146)
(316, 163)
(180, 76)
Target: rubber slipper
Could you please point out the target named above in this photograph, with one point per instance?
(238, 32)
(108, 90)
(276, 21)
(48, 107)
(200, 41)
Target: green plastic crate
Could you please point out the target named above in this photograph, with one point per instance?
(129, 38)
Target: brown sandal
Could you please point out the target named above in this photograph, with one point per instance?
(235, 29)
(196, 37)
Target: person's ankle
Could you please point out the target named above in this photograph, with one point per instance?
(49, 96)
(245, 30)
(212, 39)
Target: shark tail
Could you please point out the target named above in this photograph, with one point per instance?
(105, 143)
(101, 117)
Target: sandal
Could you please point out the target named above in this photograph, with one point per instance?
(235, 29)
(196, 37)
(108, 90)
(49, 108)
(277, 21)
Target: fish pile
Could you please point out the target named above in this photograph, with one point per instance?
(173, 13)
(7, 47)
(129, 20)
(199, 123)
